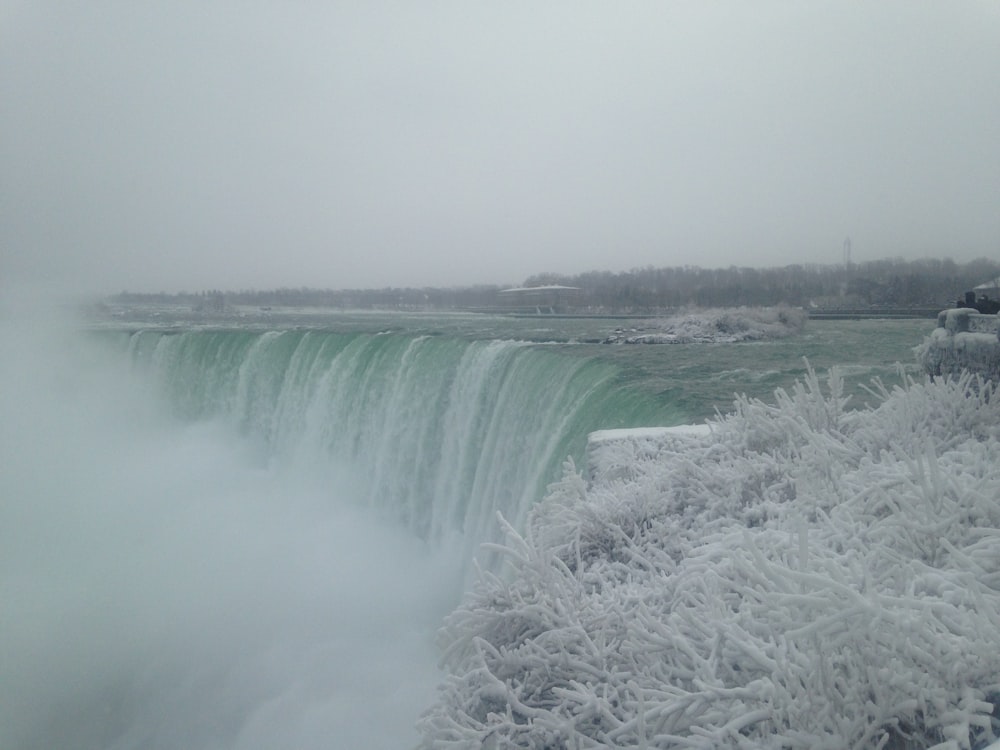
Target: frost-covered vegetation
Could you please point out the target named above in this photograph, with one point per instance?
(729, 325)
(805, 576)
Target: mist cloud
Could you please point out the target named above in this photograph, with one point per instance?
(161, 589)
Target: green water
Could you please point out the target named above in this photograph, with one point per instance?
(441, 421)
(689, 381)
(702, 378)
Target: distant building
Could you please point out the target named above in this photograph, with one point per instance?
(549, 299)
(211, 302)
(990, 289)
(984, 298)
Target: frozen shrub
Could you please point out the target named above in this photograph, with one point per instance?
(805, 576)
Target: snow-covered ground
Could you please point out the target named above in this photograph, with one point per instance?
(795, 575)
(725, 326)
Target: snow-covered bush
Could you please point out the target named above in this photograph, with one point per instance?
(805, 576)
(716, 326)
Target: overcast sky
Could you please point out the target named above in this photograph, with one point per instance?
(172, 145)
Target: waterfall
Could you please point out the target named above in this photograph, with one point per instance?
(438, 433)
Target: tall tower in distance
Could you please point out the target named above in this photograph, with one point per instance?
(847, 253)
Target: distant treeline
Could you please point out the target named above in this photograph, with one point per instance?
(895, 283)
(882, 283)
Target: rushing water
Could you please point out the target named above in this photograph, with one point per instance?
(244, 536)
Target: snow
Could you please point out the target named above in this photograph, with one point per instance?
(716, 326)
(792, 575)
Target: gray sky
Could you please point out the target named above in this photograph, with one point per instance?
(169, 145)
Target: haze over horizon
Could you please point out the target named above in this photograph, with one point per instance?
(179, 146)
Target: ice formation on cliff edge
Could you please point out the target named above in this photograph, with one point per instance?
(716, 326)
(803, 576)
(963, 340)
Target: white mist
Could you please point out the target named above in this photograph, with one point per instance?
(160, 588)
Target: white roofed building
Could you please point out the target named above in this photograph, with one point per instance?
(548, 299)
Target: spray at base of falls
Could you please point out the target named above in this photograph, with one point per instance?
(436, 433)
